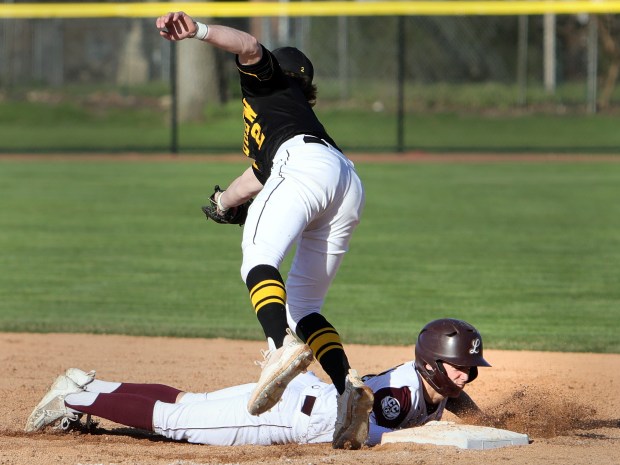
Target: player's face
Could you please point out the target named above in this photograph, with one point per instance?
(457, 374)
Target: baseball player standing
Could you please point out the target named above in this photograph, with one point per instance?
(447, 354)
(306, 193)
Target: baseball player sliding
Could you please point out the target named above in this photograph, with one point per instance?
(448, 353)
(306, 193)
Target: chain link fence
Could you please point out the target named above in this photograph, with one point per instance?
(114, 84)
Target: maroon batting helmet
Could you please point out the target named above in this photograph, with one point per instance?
(451, 341)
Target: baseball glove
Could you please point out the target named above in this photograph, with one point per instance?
(234, 215)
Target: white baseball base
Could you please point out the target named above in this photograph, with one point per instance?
(447, 433)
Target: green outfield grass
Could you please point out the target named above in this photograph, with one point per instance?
(529, 253)
(67, 127)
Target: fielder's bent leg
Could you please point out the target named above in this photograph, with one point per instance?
(268, 296)
(325, 343)
(287, 356)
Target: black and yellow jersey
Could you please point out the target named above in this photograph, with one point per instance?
(274, 110)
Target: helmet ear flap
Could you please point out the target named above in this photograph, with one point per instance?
(473, 374)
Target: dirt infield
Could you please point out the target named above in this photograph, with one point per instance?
(569, 404)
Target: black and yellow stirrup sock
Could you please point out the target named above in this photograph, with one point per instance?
(325, 343)
(268, 297)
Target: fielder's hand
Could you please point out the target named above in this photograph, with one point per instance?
(176, 26)
(233, 215)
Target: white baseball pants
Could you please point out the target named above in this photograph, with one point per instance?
(223, 419)
(313, 199)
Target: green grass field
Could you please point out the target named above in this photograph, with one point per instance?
(529, 253)
(492, 124)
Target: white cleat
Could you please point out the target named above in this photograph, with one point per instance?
(52, 406)
(354, 406)
(80, 377)
(278, 369)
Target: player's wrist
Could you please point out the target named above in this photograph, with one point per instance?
(220, 205)
(200, 32)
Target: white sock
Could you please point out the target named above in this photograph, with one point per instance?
(102, 387)
(81, 398)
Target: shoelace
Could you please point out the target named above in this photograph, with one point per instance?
(71, 421)
(266, 354)
(69, 416)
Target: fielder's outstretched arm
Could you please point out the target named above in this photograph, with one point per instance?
(178, 26)
(240, 190)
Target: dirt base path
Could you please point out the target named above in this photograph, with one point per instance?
(569, 404)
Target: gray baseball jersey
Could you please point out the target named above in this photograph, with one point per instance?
(399, 401)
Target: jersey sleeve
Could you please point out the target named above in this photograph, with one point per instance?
(261, 78)
(391, 406)
(259, 174)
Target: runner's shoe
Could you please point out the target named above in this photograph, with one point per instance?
(52, 406)
(80, 377)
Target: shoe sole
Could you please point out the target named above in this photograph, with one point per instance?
(354, 435)
(267, 396)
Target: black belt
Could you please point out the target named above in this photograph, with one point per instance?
(306, 407)
(314, 140)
